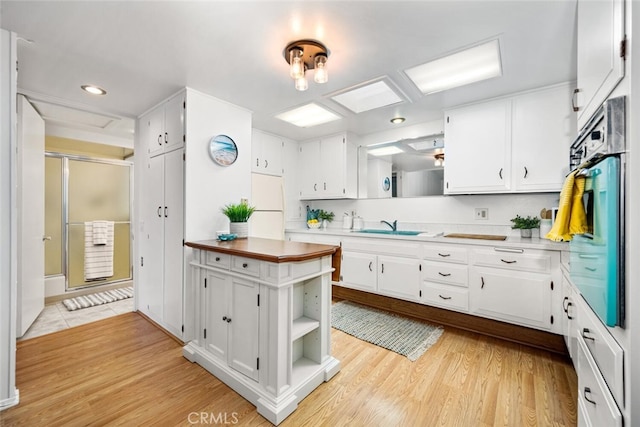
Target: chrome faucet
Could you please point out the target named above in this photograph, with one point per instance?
(393, 226)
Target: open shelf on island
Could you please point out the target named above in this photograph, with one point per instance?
(302, 326)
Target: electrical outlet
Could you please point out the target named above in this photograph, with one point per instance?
(244, 201)
(481, 213)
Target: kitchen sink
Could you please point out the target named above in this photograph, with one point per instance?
(391, 232)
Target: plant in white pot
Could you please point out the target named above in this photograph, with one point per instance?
(238, 215)
(525, 225)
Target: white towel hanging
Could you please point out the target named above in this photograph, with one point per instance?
(98, 258)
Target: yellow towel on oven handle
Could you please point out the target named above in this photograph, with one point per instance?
(571, 217)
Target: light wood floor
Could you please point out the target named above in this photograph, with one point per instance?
(125, 371)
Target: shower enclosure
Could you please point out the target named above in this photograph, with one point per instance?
(78, 190)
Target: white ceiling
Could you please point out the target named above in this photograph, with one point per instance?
(141, 52)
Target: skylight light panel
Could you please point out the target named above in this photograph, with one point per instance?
(368, 97)
(308, 115)
(468, 66)
(385, 151)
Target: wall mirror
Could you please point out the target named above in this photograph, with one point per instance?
(412, 167)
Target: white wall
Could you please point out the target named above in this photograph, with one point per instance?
(8, 260)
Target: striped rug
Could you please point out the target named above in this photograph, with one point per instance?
(408, 337)
(91, 300)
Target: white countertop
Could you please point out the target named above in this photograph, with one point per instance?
(426, 236)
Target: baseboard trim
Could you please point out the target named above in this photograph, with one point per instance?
(159, 326)
(10, 402)
(494, 328)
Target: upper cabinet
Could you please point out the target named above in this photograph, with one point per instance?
(328, 168)
(163, 127)
(266, 153)
(601, 52)
(514, 144)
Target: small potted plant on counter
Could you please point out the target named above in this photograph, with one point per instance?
(525, 225)
(238, 215)
(326, 217)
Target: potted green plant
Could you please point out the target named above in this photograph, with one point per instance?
(525, 225)
(238, 215)
(326, 217)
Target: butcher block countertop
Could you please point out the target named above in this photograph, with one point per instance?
(266, 249)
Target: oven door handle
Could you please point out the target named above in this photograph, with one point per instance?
(587, 256)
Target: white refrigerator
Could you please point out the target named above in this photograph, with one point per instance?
(267, 195)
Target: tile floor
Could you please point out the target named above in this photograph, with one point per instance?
(56, 317)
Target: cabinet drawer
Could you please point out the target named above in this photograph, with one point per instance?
(446, 253)
(248, 266)
(445, 296)
(216, 259)
(515, 259)
(595, 401)
(453, 274)
(603, 348)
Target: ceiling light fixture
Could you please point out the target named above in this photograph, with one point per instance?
(471, 65)
(93, 90)
(397, 120)
(439, 159)
(303, 55)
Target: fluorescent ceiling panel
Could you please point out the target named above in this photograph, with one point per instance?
(368, 97)
(308, 115)
(385, 151)
(468, 66)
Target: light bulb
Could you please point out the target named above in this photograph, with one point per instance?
(301, 83)
(321, 75)
(296, 70)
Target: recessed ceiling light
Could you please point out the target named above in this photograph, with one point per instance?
(368, 97)
(397, 120)
(308, 115)
(385, 151)
(468, 66)
(93, 90)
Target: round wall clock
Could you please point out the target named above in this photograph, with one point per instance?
(386, 184)
(223, 150)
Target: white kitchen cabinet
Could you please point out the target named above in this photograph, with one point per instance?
(328, 168)
(445, 277)
(231, 313)
(478, 148)
(496, 146)
(399, 277)
(263, 319)
(542, 130)
(293, 207)
(266, 153)
(359, 270)
(520, 286)
(601, 54)
(161, 246)
(569, 317)
(163, 127)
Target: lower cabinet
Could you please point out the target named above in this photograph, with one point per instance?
(231, 329)
(359, 270)
(399, 277)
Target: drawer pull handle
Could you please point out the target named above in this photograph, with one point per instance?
(482, 280)
(217, 258)
(586, 331)
(591, 269)
(508, 262)
(568, 315)
(444, 274)
(245, 265)
(587, 398)
(382, 270)
(587, 256)
(510, 250)
(444, 297)
(370, 265)
(444, 255)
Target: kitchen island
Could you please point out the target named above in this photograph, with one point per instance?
(263, 319)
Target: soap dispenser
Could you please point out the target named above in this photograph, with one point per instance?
(347, 221)
(358, 223)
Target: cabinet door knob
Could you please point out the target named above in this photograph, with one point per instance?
(315, 187)
(564, 300)
(166, 138)
(166, 212)
(159, 211)
(228, 319)
(245, 265)
(570, 317)
(217, 258)
(224, 318)
(160, 139)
